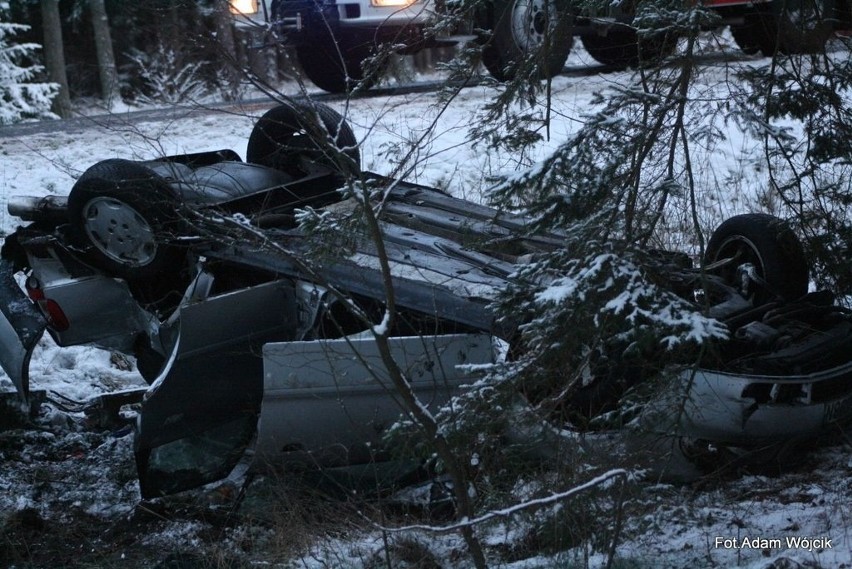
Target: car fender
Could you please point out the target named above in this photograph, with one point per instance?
(21, 327)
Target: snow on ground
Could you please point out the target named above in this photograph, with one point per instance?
(62, 471)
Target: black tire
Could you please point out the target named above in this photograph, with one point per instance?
(747, 37)
(616, 49)
(803, 26)
(547, 40)
(623, 48)
(122, 213)
(337, 65)
(288, 138)
(792, 26)
(323, 56)
(771, 246)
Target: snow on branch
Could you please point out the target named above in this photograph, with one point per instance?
(20, 99)
(603, 480)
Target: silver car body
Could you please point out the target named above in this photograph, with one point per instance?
(233, 361)
(722, 407)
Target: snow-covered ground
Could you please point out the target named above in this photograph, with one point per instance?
(61, 472)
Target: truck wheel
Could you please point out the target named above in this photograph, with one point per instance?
(337, 66)
(623, 48)
(288, 138)
(746, 37)
(523, 29)
(759, 33)
(770, 246)
(120, 211)
(803, 25)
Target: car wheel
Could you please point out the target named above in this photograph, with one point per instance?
(768, 246)
(526, 28)
(623, 48)
(120, 212)
(299, 138)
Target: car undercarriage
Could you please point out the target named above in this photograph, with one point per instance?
(255, 333)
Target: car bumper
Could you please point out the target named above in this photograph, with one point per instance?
(745, 410)
(385, 17)
(304, 17)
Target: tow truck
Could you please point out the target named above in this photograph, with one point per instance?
(336, 40)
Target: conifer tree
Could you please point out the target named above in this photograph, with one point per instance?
(21, 95)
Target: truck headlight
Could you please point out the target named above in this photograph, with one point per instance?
(244, 7)
(392, 3)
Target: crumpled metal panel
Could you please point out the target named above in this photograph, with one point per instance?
(201, 413)
(21, 327)
(328, 402)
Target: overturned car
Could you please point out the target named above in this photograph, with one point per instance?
(252, 343)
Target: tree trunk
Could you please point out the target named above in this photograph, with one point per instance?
(106, 59)
(171, 32)
(54, 56)
(226, 50)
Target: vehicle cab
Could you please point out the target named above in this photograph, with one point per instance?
(292, 15)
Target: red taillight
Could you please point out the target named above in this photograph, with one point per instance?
(56, 318)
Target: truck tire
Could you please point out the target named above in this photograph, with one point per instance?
(122, 214)
(792, 26)
(326, 69)
(803, 25)
(287, 139)
(759, 33)
(623, 48)
(768, 244)
(336, 64)
(747, 37)
(523, 29)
